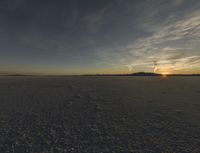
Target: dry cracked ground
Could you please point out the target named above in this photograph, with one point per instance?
(99, 114)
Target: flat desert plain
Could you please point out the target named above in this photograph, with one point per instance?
(83, 114)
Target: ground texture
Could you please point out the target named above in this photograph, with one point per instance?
(99, 114)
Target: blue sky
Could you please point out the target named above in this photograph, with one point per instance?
(101, 36)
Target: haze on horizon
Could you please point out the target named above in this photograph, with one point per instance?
(101, 36)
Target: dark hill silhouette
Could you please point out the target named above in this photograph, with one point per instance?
(145, 74)
(142, 74)
(132, 74)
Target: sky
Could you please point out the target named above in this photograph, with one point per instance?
(99, 36)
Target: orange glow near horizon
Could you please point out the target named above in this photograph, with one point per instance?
(163, 70)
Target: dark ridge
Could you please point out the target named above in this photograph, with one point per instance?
(183, 75)
(132, 74)
(145, 74)
(141, 74)
(15, 75)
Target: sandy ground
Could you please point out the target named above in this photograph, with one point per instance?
(99, 114)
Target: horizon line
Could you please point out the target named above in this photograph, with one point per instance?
(107, 74)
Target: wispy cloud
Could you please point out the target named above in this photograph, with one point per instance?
(187, 28)
(160, 46)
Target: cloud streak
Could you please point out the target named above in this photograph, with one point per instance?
(160, 46)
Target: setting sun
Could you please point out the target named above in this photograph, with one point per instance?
(164, 74)
(163, 70)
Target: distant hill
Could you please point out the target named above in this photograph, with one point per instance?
(144, 74)
(132, 74)
(15, 75)
(183, 75)
(157, 74)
